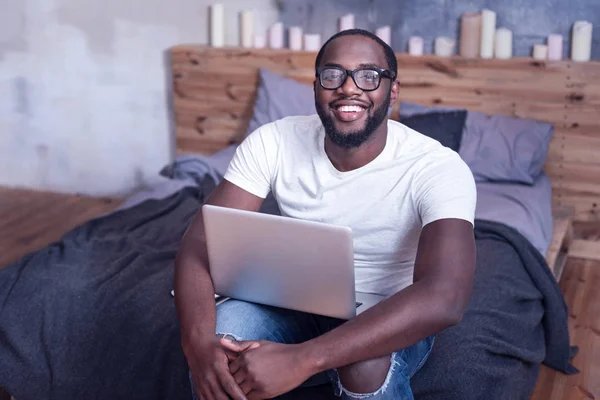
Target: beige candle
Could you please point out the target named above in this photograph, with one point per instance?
(217, 25)
(444, 46)
(540, 51)
(581, 48)
(470, 35)
(488, 28)
(246, 29)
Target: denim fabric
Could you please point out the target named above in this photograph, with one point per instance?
(249, 321)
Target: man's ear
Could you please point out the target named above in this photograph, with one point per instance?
(394, 91)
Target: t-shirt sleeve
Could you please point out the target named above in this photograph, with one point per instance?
(253, 165)
(445, 188)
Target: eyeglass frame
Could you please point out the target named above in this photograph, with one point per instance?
(384, 73)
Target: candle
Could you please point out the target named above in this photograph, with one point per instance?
(555, 47)
(346, 22)
(276, 36)
(540, 51)
(503, 44)
(217, 25)
(488, 27)
(581, 48)
(312, 42)
(444, 46)
(295, 38)
(246, 29)
(470, 35)
(415, 46)
(260, 41)
(385, 33)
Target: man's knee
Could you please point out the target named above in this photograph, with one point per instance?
(242, 320)
(366, 376)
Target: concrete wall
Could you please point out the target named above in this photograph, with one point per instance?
(83, 88)
(530, 20)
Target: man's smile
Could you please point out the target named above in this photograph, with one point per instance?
(349, 110)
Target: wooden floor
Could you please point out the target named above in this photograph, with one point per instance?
(29, 220)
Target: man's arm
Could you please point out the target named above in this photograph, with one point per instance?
(194, 295)
(443, 275)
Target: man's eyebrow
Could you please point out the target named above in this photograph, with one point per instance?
(362, 65)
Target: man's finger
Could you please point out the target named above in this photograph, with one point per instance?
(247, 388)
(240, 346)
(230, 386)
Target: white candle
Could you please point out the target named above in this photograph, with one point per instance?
(488, 27)
(503, 47)
(555, 47)
(260, 41)
(540, 51)
(295, 38)
(444, 46)
(217, 25)
(246, 29)
(276, 36)
(415, 46)
(470, 35)
(581, 48)
(385, 33)
(346, 22)
(312, 42)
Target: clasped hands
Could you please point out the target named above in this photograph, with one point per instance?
(264, 369)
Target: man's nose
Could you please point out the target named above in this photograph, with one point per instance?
(349, 88)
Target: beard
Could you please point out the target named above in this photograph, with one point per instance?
(354, 139)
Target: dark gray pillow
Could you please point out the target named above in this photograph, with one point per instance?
(278, 97)
(446, 127)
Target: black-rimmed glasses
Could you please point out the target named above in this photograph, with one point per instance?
(366, 79)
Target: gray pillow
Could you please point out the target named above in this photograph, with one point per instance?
(497, 147)
(278, 97)
(501, 148)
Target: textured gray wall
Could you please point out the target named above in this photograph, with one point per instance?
(530, 20)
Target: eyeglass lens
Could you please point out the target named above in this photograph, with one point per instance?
(365, 79)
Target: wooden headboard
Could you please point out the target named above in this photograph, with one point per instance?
(214, 92)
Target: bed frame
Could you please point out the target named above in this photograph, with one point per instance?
(213, 93)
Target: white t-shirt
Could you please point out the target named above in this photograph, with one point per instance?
(412, 182)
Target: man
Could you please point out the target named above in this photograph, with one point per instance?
(410, 203)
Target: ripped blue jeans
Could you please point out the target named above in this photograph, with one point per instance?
(249, 321)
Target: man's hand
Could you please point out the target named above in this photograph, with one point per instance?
(209, 365)
(264, 370)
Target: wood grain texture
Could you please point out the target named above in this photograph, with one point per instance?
(29, 220)
(214, 92)
(581, 286)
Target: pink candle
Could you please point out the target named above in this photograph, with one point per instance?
(555, 47)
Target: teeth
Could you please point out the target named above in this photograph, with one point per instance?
(350, 108)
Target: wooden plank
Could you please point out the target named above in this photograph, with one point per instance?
(585, 249)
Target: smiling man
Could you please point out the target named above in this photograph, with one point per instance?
(410, 203)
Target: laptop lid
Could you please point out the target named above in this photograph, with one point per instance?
(280, 261)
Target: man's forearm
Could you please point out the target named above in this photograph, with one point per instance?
(396, 323)
(194, 299)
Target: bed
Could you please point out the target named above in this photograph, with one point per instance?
(91, 316)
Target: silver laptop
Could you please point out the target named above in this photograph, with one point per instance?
(283, 262)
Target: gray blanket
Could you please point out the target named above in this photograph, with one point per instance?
(91, 316)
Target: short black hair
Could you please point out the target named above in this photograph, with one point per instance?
(390, 56)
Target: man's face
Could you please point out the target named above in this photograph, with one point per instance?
(349, 114)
